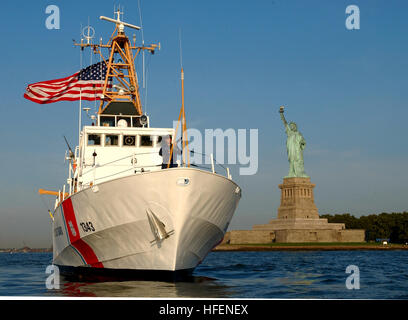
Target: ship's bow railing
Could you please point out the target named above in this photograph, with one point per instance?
(213, 163)
(93, 179)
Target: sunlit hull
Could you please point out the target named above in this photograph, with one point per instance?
(111, 226)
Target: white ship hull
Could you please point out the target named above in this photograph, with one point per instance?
(109, 226)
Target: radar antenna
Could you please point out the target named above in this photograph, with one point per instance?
(120, 24)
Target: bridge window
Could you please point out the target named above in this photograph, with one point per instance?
(146, 141)
(129, 141)
(94, 139)
(111, 140)
(108, 121)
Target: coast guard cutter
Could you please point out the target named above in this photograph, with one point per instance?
(120, 213)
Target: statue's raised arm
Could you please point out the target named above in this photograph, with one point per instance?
(281, 110)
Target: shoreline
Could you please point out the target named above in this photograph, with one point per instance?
(272, 247)
(307, 247)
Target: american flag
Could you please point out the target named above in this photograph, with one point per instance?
(86, 84)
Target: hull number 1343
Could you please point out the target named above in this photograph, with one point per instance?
(87, 226)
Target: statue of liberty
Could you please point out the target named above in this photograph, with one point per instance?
(295, 144)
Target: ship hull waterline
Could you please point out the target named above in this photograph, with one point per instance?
(113, 228)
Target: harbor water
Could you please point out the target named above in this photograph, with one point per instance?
(273, 274)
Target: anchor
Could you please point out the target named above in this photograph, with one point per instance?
(158, 227)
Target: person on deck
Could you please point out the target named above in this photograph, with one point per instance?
(165, 153)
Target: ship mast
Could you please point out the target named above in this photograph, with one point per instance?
(121, 83)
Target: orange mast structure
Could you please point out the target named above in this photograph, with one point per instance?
(121, 83)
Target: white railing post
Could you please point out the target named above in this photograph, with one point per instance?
(94, 174)
(134, 160)
(212, 163)
(228, 174)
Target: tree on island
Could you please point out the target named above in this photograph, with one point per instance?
(393, 226)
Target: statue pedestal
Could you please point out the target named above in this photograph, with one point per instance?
(297, 210)
(298, 218)
(297, 199)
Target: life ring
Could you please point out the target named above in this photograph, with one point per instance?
(130, 141)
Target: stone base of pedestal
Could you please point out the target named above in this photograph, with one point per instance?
(299, 224)
(292, 236)
(319, 235)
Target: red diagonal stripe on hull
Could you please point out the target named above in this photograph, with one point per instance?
(74, 237)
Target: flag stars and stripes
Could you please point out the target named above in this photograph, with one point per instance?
(87, 84)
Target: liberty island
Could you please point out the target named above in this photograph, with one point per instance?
(298, 219)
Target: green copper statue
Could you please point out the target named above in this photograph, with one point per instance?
(295, 144)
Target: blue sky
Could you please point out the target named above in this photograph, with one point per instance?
(346, 90)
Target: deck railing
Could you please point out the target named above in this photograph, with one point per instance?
(212, 167)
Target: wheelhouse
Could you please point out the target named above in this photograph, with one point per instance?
(118, 145)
